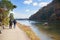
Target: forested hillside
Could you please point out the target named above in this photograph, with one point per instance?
(51, 12)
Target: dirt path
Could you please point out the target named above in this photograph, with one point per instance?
(13, 34)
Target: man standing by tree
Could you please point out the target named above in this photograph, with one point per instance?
(11, 20)
(10, 24)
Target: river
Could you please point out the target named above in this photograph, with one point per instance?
(42, 35)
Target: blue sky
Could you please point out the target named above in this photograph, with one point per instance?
(26, 8)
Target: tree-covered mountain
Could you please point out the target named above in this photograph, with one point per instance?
(50, 12)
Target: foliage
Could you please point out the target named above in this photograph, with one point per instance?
(5, 7)
(11, 16)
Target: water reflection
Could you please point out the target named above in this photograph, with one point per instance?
(39, 33)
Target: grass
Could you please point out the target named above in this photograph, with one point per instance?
(28, 31)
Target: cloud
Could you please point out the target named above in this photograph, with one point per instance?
(42, 4)
(23, 15)
(35, 4)
(20, 15)
(27, 10)
(27, 1)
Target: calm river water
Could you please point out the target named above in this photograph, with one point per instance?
(42, 35)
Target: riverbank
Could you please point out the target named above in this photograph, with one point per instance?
(28, 31)
(52, 33)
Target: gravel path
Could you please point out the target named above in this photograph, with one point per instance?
(13, 34)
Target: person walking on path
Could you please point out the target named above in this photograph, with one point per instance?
(0, 27)
(14, 22)
(3, 26)
(10, 24)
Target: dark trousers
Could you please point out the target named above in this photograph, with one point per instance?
(10, 26)
(0, 31)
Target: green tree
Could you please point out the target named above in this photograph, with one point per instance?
(5, 7)
(11, 16)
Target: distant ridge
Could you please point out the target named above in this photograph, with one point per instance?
(50, 12)
(22, 19)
